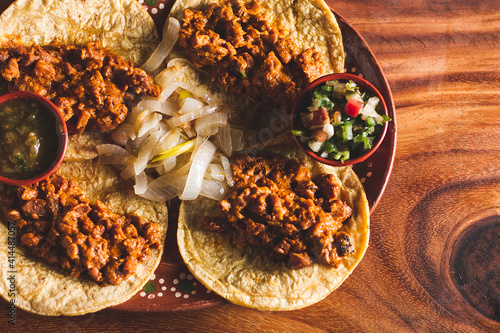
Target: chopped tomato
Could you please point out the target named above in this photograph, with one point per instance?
(353, 107)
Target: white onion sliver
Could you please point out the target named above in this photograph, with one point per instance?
(151, 104)
(200, 162)
(149, 123)
(190, 105)
(209, 124)
(170, 36)
(227, 169)
(143, 157)
(214, 189)
(168, 108)
(110, 149)
(223, 140)
(215, 172)
(164, 188)
(186, 118)
(141, 183)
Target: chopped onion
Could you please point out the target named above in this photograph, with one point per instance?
(200, 162)
(170, 36)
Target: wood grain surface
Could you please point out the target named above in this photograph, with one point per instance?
(433, 264)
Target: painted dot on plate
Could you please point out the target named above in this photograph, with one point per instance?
(360, 74)
(161, 6)
(369, 174)
(162, 281)
(175, 281)
(185, 295)
(154, 11)
(369, 164)
(353, 69)
(209, 291)
(163, 288)
(153, 277)
(363, 180)
(178, 294)
(142, 294)
(151, 296)
(160, 294)
(193, 292)
(172, 289)
(182, 276)
(189, 277)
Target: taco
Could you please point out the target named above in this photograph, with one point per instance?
(45, 288)
(269, 277)
(265, 50)
(121, 28)
(45, 283)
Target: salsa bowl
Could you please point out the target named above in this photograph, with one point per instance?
(33, 138)
(339, 119)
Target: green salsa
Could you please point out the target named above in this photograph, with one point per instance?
(29, 138)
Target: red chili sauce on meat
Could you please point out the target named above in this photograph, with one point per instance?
(276, 206)
(90, 84)
(56, 221)
(242, 51)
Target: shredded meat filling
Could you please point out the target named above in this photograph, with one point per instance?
(276, 206)
(57, 222)
(240, 49)
(90, 85)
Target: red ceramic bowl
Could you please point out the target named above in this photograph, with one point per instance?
(60, 137)
(300, 104)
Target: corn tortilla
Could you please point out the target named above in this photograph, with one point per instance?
(248, 279)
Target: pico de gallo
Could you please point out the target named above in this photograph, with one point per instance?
(340, 121)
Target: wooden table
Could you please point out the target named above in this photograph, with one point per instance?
(433, 264)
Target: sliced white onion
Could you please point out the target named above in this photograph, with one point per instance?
(215, 172)
(141, 183)
(209, 124)
(170, 36)
(186, 118)
(227, 170)
(143, 157)
(168, 108)
(222, 140)
(200, 161)
(201, 93)
(149, 103)
(110, 149)
(128, 172)
(164, 188)
(190, 105)
(151, 122)
(214, 189)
